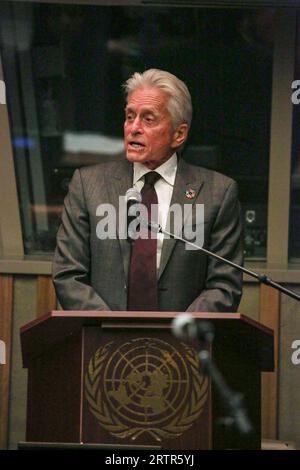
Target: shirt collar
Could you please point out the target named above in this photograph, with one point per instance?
(167, 170)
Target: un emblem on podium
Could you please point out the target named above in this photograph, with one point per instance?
(145, 385)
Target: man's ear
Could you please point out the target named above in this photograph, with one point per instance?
(180, 135)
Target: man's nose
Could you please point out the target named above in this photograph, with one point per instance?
(136, 126)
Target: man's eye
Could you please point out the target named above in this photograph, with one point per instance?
(149, 119)
(129, 117)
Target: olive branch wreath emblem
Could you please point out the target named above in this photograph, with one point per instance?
(112, 423)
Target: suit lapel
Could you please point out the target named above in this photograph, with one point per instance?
(118, 183)
(186, 190)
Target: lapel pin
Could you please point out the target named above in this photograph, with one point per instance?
(190, 193)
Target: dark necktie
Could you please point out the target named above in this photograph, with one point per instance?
(142, 280)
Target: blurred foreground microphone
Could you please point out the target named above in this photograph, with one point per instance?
(133, 199)
(187, 327)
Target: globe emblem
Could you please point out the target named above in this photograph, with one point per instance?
(146, 380)
(145, 385)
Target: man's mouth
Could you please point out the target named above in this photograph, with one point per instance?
(136, 145)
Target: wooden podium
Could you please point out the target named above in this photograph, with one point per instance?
(122, 379)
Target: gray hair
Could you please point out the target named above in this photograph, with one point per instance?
(179, 103)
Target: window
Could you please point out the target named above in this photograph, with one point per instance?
(64, 66)
(294, 229)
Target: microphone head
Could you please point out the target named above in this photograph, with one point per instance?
(184, 327)
(133, 199)
(133, 196)
(187, 327)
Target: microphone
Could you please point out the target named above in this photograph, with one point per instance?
(262, 278)
(133, 198)
(186, 327)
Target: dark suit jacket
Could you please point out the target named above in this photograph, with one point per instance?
(91, 274)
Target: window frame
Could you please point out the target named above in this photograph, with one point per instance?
(12, 258)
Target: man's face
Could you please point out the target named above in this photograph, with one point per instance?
(148, 133)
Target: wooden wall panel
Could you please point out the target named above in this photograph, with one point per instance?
(46, 298)
(6, 303)
(270, 316)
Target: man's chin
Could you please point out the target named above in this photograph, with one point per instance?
(133, 157)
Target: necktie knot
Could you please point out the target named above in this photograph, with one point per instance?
(152, 177)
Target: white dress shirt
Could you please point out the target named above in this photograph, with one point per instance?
(164, 189)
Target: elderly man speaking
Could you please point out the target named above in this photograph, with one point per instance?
(155, 272)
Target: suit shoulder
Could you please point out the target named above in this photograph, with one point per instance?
(100, 171)
(211, 176)
(98, 168)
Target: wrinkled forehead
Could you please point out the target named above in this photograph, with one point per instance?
(147, 97)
